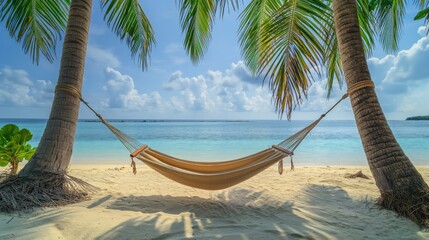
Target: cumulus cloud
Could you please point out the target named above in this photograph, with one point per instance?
(402, 82)
(17, 89)
(122, 93)
(231, 90)
(401, 78)
(422, 31)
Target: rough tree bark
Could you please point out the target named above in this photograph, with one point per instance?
(55, 148)
(43, 181)
(401, 186)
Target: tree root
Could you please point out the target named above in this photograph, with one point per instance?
(413, 206)
(44, 190)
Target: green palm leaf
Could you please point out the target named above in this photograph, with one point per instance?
(332, 60)
(37, 24)
(332, 55)
(367, 25)
(196, 20)
(423, 13)
(288, 47)
(222, 5)
(129, 22)
(251, 20)
(390, 15)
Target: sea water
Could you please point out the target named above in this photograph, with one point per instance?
(330, 143)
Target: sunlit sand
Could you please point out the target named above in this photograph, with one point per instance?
(308, 203)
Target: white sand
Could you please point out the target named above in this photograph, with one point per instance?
(308, 203)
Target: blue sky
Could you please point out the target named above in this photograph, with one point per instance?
(219, 87)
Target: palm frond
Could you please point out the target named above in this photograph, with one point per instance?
(229, 5)
(251, 21)
(332, 55)
(37, 24)
(289, 47)
(423, 5)
(332, 61)
(128, 21)
(196, 21)
(367, 25)
(424, 14)
(389, 15)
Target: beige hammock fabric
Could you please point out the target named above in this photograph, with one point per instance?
(211, 175)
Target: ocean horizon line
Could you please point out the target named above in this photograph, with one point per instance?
(184, 120)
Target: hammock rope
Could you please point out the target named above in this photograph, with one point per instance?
(212, 175)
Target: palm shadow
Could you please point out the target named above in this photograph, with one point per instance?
(237, 213)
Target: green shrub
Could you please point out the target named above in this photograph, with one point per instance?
(14, 147)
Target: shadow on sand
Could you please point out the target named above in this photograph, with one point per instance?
(315, 212)
(319, 212)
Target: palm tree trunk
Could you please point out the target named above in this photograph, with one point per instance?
(43, 181)
(55, 148)
(401, 187)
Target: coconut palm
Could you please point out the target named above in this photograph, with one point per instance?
(292, 42)
(38, 25)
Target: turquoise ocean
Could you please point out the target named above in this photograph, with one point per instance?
(331, 143)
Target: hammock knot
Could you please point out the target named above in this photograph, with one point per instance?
(292, 167)
(133, 165)
(280, 167)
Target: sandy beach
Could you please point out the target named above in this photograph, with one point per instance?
(308, 203)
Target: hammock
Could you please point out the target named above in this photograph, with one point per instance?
(211, 175)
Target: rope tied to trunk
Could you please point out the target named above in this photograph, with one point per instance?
(359, 85)
(70, 89)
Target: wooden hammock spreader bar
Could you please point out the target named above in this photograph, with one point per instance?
(138, 151)
(288, 153)
(283, 150)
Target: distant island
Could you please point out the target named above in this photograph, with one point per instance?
(418, 118)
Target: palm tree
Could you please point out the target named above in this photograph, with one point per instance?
(291, 41)
(38, 25)
(401, 187)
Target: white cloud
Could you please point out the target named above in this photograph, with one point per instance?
(102, 56)
(402, 83)
(403, 79)
(230, 91)
(122, 93)
(422, 31)
(17, 89)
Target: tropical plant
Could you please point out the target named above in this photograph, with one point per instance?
(14, 146)
(38, 25)
(292, 42)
